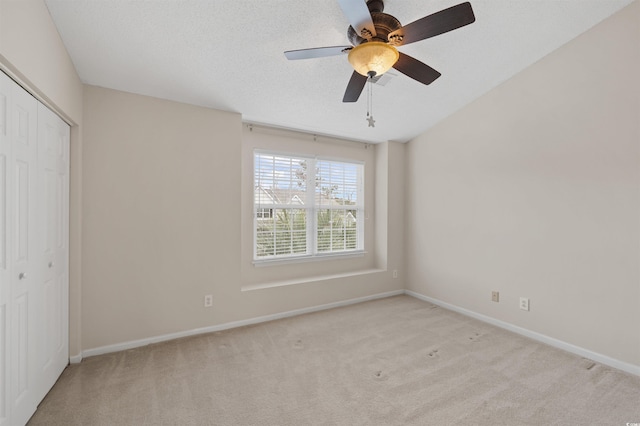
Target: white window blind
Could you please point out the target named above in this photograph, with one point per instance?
(306, 206)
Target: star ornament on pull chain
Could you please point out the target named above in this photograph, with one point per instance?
(372, 122)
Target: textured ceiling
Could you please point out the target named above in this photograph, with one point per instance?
(228, 54)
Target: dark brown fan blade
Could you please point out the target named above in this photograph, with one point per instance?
(317, 52)
(415, 69)
(359, 17)
(438, 23)
(354, 88)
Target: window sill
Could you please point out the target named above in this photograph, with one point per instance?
(303, 259)
(250, 287)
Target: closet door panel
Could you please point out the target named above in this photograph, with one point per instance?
(24, 298)
(53, 154)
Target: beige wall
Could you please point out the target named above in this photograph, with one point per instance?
(534, 190)
(32, 50)
(32, 53)
(164, 223)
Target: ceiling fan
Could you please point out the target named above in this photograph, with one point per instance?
(374, 36)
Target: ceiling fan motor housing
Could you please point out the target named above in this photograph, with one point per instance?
(375, 6)
(384, 24)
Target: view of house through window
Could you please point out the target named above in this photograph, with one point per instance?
(306, 206)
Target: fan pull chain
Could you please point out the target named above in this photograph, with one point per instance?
(370, 103)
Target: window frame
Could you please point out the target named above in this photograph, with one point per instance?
(312, 207)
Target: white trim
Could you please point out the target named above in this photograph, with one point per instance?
(31, 88)
(334, 255)
(577, 350)
(75, 359)
(234, 324)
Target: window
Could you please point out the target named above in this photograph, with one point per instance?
(264, 213)
(306, 207)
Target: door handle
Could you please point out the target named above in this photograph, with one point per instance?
(22, 276)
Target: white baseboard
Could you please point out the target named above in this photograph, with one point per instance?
(594, 356)
(603, 359)
(234, 324)
(75, 359)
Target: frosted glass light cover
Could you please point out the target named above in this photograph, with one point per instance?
(373, 56)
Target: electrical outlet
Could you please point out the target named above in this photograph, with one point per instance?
(208, 300)
(495, 296)
(395, 273)
(524, 303)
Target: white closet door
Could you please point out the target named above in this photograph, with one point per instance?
(53, 245)
(25, 274)
(5, 221)
(34, 251)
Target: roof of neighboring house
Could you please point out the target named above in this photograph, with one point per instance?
(270, 196)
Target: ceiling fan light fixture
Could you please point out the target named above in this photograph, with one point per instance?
(373, 58)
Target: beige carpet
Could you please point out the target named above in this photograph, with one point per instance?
(395, 361)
